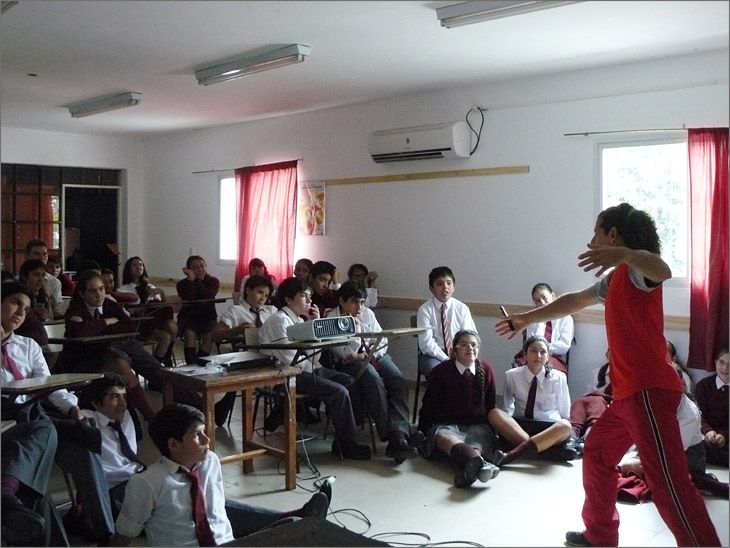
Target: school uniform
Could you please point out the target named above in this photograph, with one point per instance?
(712, 399)
(646, 395)
(199, 317)
(52, 287)
(239, 314)
(561, 337)
(552, 399)
(326, 384)
(385, 389)
(431, 344)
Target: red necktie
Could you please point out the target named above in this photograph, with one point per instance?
(257, 311)
(530, 407)
(9, 363)
(445, 329)
(549, 331)
(202, 527)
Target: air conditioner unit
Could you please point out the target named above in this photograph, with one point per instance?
(449, 140)
(321, 328)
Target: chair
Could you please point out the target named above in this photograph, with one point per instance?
(419, 381)
(51, 351)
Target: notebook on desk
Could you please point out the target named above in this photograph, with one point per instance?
(234, 361)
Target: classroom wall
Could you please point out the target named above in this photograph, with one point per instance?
(500, 234)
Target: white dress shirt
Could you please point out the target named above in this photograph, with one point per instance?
(458, 317)
(239, 314)
(552, 400)
(131, 287)
(158, 502)
(52, 287)
(28, 357)
(690, 422)
(274, 331)
(117, 467)
(366, 322)
(561, 338)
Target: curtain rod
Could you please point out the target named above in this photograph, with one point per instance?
(235, 168)
(587, 133)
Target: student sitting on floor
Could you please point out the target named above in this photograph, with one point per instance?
(179, 500)
(712, 399)
(586, 410)
(294, 301)
(384, 388)
(537, 403)
(443, 316)
(454, 415)
(199, 319)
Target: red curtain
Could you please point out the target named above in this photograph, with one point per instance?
(708, 166)
(266, 210)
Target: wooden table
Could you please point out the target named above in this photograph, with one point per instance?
(37, 386)
(246, 381)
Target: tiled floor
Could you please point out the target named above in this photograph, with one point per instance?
(529, 504)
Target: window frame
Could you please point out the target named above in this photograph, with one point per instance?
(632, 140)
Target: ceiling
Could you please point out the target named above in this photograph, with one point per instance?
(361, 51)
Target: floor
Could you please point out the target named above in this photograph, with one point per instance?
(416, 503)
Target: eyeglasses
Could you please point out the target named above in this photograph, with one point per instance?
(468, 345)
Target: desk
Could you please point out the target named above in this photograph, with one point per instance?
(305, 350)
(391, 334)
(92, 340)
(37, 386)
(246, 381)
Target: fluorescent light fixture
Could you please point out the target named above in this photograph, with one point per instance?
(477, 11)
(251, 63)
(104, 104)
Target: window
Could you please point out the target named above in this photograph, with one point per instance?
(652, 175)
(228, 230)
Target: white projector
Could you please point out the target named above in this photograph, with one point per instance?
(322, 328)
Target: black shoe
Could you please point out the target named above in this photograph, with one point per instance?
(576, 538)
(326, 487)
(559, 453)
(351, 450)
(224, 408)
(575, 443)
(20, 525)
(316, 507)
(498, 458)
(275, 419)
(476, 468)
(400, 451)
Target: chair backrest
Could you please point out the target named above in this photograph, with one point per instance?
(414, 321)
(51, 351)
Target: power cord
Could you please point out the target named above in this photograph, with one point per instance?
(477, 134)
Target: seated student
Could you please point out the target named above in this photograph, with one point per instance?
(31, 274)
(385, 389)
(37, 249)
(454, 415)
(321, 276)
(110, 286)
(101, 478)
(443, 315)
(68, 286)
(26, 458)
(179, 500)
(197, 320)
(294, 301)
(302, 268)
(162, 327)
(257, 267)
(535, 409)
(360, 274)
(679, 367)
(558, 333)
(252, 312)
(631, 484)
(91, 313)
(712, 399)
(586, 410)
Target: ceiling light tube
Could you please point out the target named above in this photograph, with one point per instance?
(249, 64)
(476, 11)
(104, 104)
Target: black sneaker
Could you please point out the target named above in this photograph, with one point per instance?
(476, 468)
(576, 538)
(351, 450)
(20, 525)
(400, 451)
(224, 408)
(316, 507)
(275, 419)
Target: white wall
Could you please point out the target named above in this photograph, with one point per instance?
(28, 146)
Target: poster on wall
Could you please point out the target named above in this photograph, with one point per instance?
(310, 210)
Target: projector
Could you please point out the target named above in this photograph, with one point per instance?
(322, 328)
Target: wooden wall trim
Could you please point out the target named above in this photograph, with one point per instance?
(592, 316)
(426, 175)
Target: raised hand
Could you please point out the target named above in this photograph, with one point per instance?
(602, 257)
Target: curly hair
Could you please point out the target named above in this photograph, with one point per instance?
(636, 227)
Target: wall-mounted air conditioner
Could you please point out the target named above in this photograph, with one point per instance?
(449, 140)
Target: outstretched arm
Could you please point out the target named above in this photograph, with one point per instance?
(648, 264)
